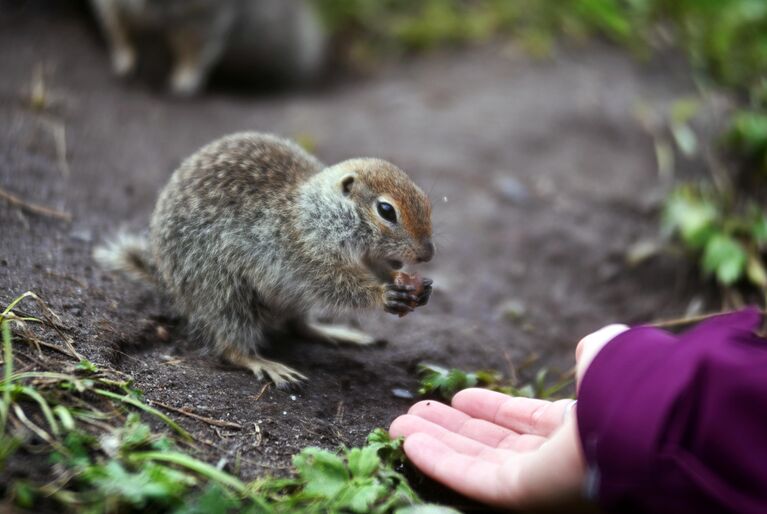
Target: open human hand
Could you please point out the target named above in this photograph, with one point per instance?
(501, 450)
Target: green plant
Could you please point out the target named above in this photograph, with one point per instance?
(746, 138)
(86, 421)
(442, 382)
(729, 243)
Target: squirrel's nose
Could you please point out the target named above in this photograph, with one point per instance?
(427, 252)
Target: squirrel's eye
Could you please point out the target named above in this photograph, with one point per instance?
(387, 212)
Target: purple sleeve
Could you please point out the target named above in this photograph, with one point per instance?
(679, 423)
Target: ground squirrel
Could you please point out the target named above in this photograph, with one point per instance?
(252, 233)
(260, 40)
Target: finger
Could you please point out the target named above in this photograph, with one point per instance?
(592, 344)
(407, 425)
(521, 415)
(470, 476)
(479, 430)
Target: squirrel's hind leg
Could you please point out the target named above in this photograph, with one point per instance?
(281, 375)
(334, 333)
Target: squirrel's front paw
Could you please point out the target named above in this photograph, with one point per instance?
(406, 292)
(400, 299)
(423, 297)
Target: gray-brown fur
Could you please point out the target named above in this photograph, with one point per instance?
(252, 233)
(254, 39)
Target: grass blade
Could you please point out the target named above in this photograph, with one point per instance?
(198, 466)
(146, 408)
(8, 371)
(47, 412)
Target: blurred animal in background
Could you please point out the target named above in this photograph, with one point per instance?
(273, 40)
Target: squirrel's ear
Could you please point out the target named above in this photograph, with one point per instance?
(346, 184)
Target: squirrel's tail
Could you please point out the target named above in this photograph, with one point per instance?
(128, 253)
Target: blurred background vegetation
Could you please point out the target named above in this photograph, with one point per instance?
(719, 220)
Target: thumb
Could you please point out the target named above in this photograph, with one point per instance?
(592, 344)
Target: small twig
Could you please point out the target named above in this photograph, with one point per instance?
(52, 322)
(339, 412)
(257, 433)
(262, 391)
(59, 131)
(42, 434)
(39, 342)
(691, 319)
(33, 207)
(205, 419)
(59, 482)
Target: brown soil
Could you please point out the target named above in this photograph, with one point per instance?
(552, 242)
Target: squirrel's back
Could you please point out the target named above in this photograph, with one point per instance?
(237, 176)
(227, 207)
(236, 185)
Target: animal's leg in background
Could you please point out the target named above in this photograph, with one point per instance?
(122, 52)
(196, 50)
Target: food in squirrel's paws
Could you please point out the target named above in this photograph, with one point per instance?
(402, 279)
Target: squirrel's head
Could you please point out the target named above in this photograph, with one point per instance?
(394, 214)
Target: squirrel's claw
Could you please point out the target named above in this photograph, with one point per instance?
(398, 308)
(397, 299)
(423, 299)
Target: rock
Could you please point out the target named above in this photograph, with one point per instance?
(511, 190)
(398, 392)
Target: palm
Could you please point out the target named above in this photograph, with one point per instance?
(497, 449)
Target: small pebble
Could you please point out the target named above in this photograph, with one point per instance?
(81, 234)
(511, 190)
(293, 397)
(402, 393)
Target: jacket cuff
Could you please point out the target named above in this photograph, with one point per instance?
(628, 395)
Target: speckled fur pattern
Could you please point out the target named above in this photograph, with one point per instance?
(252, 233)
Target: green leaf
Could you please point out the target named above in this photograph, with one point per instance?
(726, 258)
(426, 509)
(134, 434)
(755, 271)
(379, 435)
(25, 494)
(324, 472)
(152, 483)
(363, 462)
(362, 496)
(192, 464)
(66, 418)
(691, 216)
(213, 500)
(685, 139)
(436, 379)
(747, 134)
(86, 365)
(759, 229)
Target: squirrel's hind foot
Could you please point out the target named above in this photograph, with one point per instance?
(281, 375)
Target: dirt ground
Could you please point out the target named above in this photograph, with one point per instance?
(539, 172)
